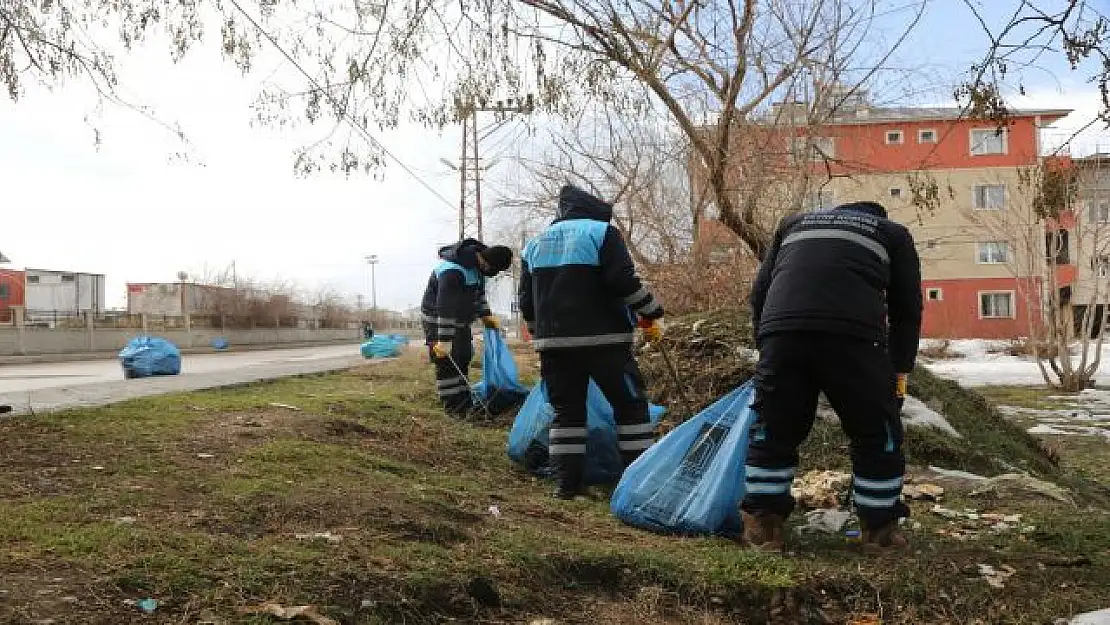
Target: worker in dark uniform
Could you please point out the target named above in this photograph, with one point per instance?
(581, 298)
(454, 298)
(836, 307)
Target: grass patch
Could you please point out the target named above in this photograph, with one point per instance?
(198, 500)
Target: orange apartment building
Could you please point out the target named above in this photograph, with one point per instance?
(978, 280)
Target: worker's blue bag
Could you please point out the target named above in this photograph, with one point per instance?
(692, 481)
(500, 388)
(381, 346)
(528, 439)
(146, 356)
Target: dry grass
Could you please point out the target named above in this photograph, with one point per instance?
(196, 499)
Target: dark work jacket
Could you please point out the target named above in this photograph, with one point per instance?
(456, 292)
(845, 271)
(578, 285)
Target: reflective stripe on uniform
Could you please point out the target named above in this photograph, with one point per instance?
(843, 235)
(769, 474)
(635, 444)
(566, 449)
(555, 433)
(891, 484)
(583, 341)
(766, 488)
(449, 382)
(874, 502)
(636, 428)
(637, 296)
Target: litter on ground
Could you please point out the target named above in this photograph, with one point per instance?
(820, 489)
(825, 521)
(996, 577)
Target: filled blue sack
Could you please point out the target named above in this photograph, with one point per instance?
(528, 439)
(381, 346)
(500, 388)
(146, 356)
(220, 343)
(692, 481)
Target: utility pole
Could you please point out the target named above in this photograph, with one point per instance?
(470, 164)
(372, 260)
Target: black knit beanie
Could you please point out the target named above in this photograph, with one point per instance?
(499, 257)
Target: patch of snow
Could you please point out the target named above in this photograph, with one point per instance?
(1045, 429)
(915, 412)
(1102, 617)
(980, 367)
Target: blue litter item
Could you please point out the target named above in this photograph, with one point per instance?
(220, 343)
(399, 338)
(528, 439)
(692, 481)
(500, 388)
(146, 356)
(381, 346)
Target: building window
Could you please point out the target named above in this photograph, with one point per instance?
(996, 305)
(988, 141)
(926, 136)
(32, 279)
(894, 137)
(1102, 266)
(1098, 213)
(895, 192)
(1057, 247)
(990, 196)
(935, 295)
(68, 277)
(3, 291)
(993, 252)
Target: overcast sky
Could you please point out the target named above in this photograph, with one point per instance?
(133, 212)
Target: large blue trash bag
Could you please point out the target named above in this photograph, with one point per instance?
(146, 356)
(381, 346)
(692, 481)
(500, 388)
(528, 438)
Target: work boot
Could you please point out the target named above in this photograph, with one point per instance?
(763, 532)
(568, 476)
(883, 538)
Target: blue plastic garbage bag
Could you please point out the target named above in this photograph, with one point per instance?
(381, 346)
(146, 356)
(692, 481)
(500, 388)
(528, 438)
(219, 343)
(400, 339)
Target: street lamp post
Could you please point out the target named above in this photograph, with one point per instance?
(372, 260)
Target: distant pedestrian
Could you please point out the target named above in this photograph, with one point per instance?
(580, 296)
(454, 298)
(836, 307)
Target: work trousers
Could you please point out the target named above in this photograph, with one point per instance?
(453, 373)
(567, 373)
(859, 381)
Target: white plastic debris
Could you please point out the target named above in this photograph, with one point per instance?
(826, 521)
(328, 536)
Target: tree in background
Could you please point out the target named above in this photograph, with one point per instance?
(712, 66)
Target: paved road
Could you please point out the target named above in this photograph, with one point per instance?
(42, 387)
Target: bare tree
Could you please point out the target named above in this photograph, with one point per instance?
(635, 164)
(1031, 33)
(1038, 236)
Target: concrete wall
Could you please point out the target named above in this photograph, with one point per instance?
(29, 341)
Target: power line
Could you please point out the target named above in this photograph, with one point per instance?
(335, 105)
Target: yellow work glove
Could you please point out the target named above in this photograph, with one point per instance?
(491, 322)
(652, 329)
(900, 385)
(441, 349)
